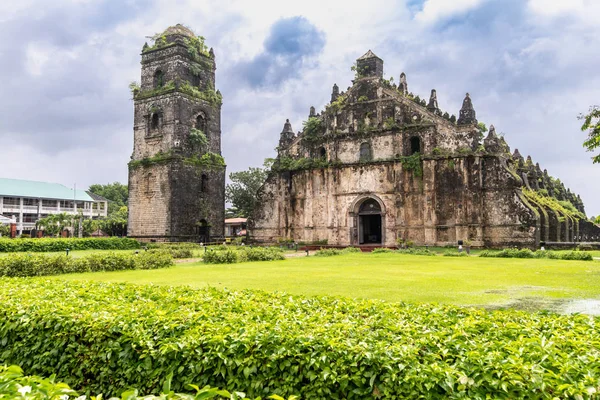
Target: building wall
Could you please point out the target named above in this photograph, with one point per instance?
(170, 197)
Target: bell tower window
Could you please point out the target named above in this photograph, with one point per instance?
(201, 123)
(365, 152)
(159, 79)
(154, 122)
(415, 145)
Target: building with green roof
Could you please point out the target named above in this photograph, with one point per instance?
(28, 201)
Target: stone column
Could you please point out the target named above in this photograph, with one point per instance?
(58, 206)
(20, 225)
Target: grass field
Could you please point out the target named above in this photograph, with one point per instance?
(522, 283)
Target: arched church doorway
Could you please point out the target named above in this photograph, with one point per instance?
(370, 227)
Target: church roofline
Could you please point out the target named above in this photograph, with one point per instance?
(369, 54)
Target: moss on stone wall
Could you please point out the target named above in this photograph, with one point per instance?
(206, 161)
(209, 95)
(553, 204)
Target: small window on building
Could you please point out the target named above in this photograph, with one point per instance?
(365, 152)
(201, 123)
(204, 183)
(154, 122)
(159, 79)
(415, 145)
(323, 153)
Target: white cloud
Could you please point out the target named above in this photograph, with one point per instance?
(435, 10)
(585, 11)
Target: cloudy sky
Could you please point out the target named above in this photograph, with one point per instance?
(66, 113)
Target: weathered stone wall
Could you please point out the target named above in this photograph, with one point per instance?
(171, 196)
(449, 203)
(458, 186)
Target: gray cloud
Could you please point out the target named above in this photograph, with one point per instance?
(288, 48)
(67, 115)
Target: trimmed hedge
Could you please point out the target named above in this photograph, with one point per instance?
(417, 252)
(14, 385)
(107, 337)
(175, 252)
(23, 265)
(336, 252)
(526, 253)
(58, 244)
(242, 254)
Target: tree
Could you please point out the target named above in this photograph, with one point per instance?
(115, 224)
(54, 224)
(4, 230)
(591, 123)
(243, 189)
(115, 192)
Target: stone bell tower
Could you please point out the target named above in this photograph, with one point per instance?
(176, 172)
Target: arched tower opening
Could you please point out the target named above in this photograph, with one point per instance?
(369, 221)
(415, 145)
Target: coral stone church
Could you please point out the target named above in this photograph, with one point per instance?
(379, 166)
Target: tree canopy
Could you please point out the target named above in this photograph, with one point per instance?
(591, 123)
(243, 189)
(115, 192)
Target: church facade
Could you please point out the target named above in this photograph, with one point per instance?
(380, 166)
(176, 172)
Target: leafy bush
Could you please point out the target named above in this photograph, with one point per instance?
(22, 265)
(221, 257)
(450, 253)
(328, 252)
(417, 252)
(242, 254)
(174, 251)
(56, 244)
(381, 250)
(576, 255)
(262, 253)
(526, 253)
(351, 250)
(107, 337)
(14, 385)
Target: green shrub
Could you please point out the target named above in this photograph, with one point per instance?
(455, 253)
(106, 337)
(381, 250)
(23, 265)
(57, 244)
(228, 256)
(262, 253)
(174, 251)
(417, 252)
(351, 250)
(328, 252)
(577, 255)
(526, 253)
(14, 385)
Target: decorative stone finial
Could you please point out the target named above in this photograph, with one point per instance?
(211, 53)
(287, 127)
(335, 92)
(145, 46)
(491, 132)
(403, 86)
(433, 103)
(312, 112)
(516, 154)
(287, 135)
(369, 65)
(467, 113)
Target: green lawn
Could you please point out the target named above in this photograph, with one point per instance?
(525, 283)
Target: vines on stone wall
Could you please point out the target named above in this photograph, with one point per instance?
(209, 94)
(412, 163)
(553, 204)
(208, 160)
